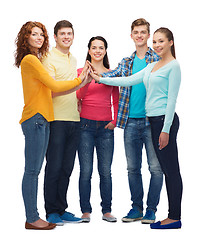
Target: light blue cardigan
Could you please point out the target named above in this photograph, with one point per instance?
(162, 88)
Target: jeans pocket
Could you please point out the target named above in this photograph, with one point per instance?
(85, 123)
(83, 126)
(108, 133)
(40, 120)
(109, 130)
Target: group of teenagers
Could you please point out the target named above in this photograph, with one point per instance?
(68, 110)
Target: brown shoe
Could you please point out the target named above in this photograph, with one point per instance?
(49, 227)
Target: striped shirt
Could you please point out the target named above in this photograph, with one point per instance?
(124, 69)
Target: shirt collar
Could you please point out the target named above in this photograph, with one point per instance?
(149, 52)
(54, 49)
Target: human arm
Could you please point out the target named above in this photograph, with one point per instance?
(81, 92)
(121, 81)
(118, 81)
(57, 94)
(32, 65)
(173, 89)
(115, 103)
(86, 81)
(117, 72)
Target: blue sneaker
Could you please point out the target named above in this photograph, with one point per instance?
(55, 218)
(133, 215)
(149, 217)
(70, 218)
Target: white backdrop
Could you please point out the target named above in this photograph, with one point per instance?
(112, 20)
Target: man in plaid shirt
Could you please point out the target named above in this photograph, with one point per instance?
(137, 132)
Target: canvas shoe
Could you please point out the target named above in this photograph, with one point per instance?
(70, 218)
(133, 215)
(55, 218)
(149, 217)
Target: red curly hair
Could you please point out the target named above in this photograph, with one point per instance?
(23, 47)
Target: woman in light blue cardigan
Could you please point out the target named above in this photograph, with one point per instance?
(162, 80)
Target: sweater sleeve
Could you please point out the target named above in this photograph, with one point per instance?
(32, 64)
(117, 72)
(173, 89)
(124, 81)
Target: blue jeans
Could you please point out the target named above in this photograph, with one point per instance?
(136, 134)
(60, 158)
(93, 134)
(36, 132)
(168, 158)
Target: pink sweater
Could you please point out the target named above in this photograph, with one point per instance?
(96, 101)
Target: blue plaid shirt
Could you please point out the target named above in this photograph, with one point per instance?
(124, 69)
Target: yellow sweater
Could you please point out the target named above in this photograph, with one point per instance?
(37, 86)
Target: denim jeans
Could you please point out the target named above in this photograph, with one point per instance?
(93, 134)
(168, 158)
(136, 134)
(60, 158)
(36, 132)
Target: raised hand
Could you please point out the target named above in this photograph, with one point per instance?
(93, 73)
(85, 72)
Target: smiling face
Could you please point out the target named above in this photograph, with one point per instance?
(161, 44)
(36, 38)
(140, 35)
(64, 39)
(97, 50)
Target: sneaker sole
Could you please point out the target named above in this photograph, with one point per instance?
(131, 219)
(72, 221)
(59, 224)
(85, 220)
(146, 221)
(111, 220)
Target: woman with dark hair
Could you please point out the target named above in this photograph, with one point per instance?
(105, 58)
(32, 45)
(97, 131)
(162, 80)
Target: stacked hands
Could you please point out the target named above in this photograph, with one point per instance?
(88, 73)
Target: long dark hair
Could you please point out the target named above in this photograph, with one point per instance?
(105, 59)
(170, 37)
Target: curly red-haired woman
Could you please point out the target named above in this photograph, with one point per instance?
(32, 45)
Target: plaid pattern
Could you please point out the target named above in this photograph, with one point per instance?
(124, 69)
